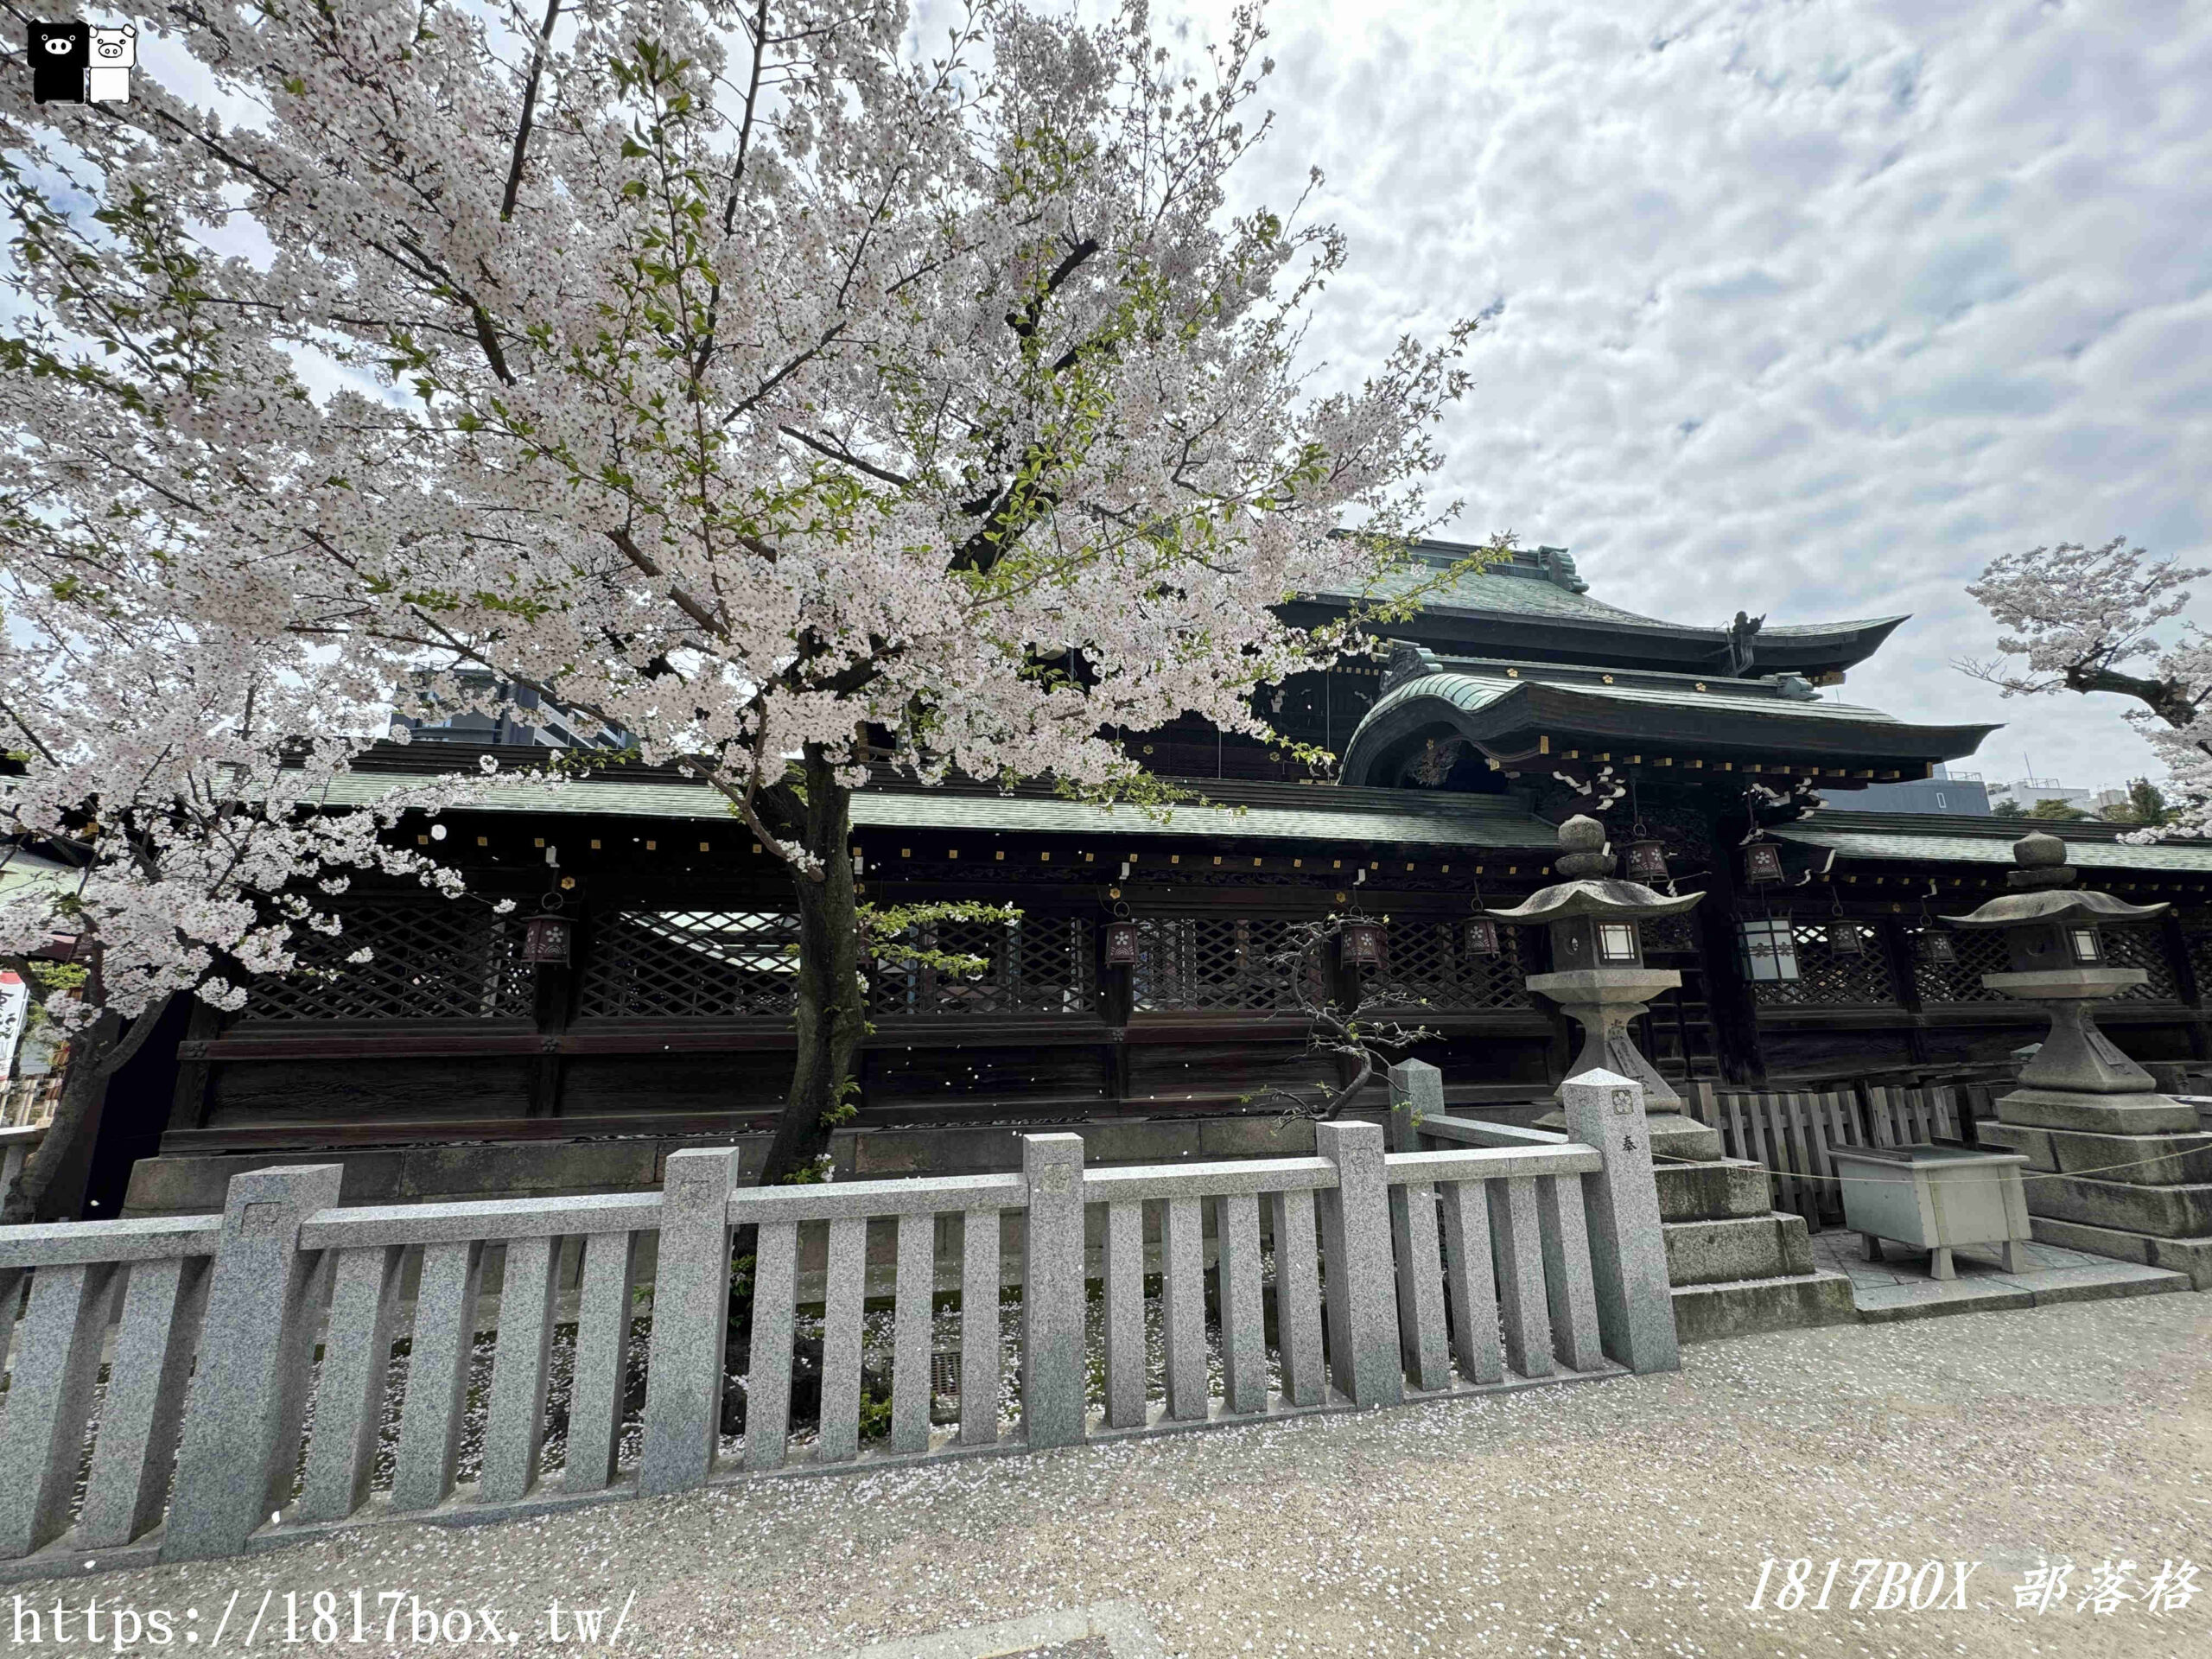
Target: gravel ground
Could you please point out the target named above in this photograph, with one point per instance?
(1628, 1517)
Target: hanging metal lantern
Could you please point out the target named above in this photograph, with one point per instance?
(1935, 946)
(545, 940)
(1647, 861)
(1845, 939)
(1482, 936)
(1762, 862)
(1363, 944)
(1122, 945)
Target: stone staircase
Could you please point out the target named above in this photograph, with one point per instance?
(2148, 1198)
(1735, 1263)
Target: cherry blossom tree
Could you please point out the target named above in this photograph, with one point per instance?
(2083, 619)
(807, 401)
(159, 765)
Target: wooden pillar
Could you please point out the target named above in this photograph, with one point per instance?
(1116, 993)
(1341, 974)
(1897, 950)
(192, 1103)
(553, 1005)
(2186, 985)
(1728, 994)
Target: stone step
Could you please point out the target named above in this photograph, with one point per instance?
(1712, 1192)
(2162, 1211)
(2192, 1257)
(1783, 1302)
(2135, 1159)
(1735, 1248)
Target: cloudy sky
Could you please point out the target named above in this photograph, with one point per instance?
(1806, 308)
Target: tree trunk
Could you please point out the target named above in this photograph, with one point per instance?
(831, 1011)
(52, 1185)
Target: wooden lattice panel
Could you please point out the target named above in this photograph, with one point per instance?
(692, 964)
(429, 959)
(1428, 965)
(1037, 965)
(2198, 941)
(1980, 950)
(1669, 933)
(1214, 962)
(1828, 978)
(2142, 945)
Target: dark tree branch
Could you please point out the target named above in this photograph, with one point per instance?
(2168, 699)
(838, 453)
(1024, 322)
(529, 109)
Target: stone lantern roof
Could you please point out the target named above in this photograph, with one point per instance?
(2044, 891)
(1587, 857)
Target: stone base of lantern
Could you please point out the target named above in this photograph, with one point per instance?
(2139, 1160)
(2142, 1197)
(2143, 1112)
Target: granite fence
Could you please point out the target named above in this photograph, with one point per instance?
(194, 1387)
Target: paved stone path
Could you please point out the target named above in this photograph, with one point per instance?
(1898, 1286)
(1628, 1517)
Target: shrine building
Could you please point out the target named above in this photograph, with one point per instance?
(1722, 759)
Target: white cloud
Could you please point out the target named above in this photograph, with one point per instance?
(1807, 310)
(1804, 309)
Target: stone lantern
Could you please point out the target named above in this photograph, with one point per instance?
(2052, 932)
(2145, 1192)
(1599, 976)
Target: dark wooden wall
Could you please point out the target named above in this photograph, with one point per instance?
(447, 1036)
(667, 1019)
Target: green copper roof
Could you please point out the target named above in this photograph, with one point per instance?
(1473, 685)
(1257, 811)
(1984, 840)
(1505, 707)
(1512, 592)
(1541, 582)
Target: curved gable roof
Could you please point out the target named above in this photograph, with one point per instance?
(1508, 711)
(1471, 611)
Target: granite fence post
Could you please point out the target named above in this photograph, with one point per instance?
(249, 1391)
(42, 1429)
(1628, 1252)
(127, 1483)
(684, 1367)
(1362, 1299)
(1416, 1094)
(1053, 1378)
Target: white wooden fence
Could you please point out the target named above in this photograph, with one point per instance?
(1789, 1131)
(29, 1102)
(224, 1337)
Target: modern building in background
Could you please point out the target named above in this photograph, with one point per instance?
(1965, 794)
(2029, 793)
(528, 720)
(1959, 793)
